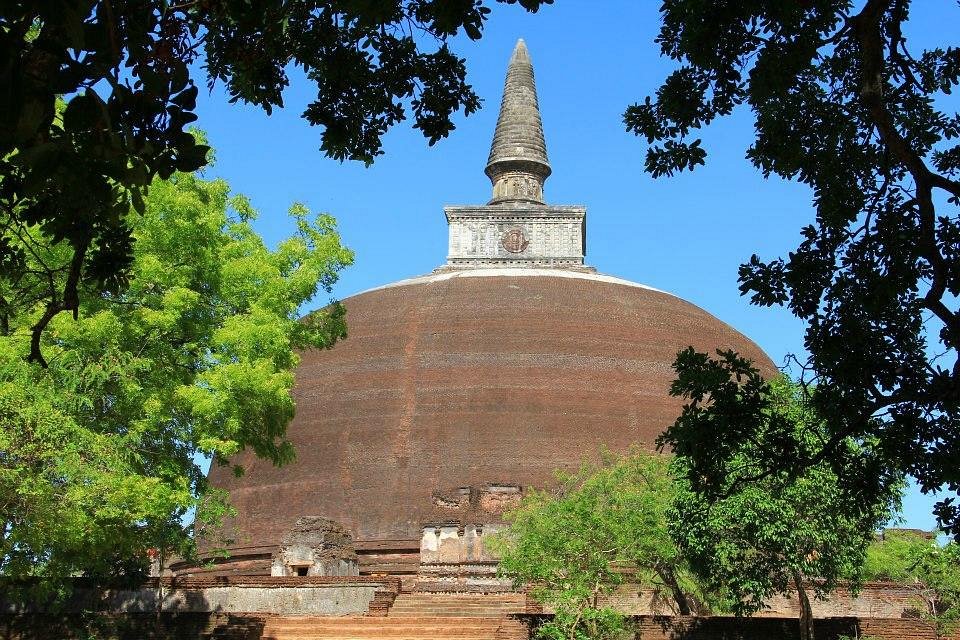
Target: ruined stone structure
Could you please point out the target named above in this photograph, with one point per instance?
(457, 389)
(315, 547)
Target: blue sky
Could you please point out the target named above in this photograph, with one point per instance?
(686, 234)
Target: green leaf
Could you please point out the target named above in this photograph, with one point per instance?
(84, 112)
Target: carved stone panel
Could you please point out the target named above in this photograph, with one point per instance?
(514, 240)
(545, 236)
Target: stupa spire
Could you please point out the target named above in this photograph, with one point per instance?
(518, 164)
(516, 230)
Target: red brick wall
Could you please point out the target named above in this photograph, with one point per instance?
(268, 582)
(875, 600)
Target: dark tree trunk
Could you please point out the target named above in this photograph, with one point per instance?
(670, 579)
(806, 612)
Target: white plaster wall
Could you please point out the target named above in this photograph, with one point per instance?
(445, 545)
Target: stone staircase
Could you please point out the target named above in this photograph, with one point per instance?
(415, 616)
(401, 628)
(495, 605)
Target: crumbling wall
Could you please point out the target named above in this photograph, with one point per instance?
(453, 556)
(266, 595)
(315, 546)
(461, 517)
(323, 600)
(875, 600)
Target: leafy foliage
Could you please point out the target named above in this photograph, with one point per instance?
(603, 525)
(126, 70)
(931, 568)
(843, 104)
(99, 451)
(763, 533)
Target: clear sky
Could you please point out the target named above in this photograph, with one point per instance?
(686, 235)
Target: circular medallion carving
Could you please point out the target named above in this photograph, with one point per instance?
(514, 241)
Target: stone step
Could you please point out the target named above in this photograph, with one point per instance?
(453, 601)
(508, 595)
(357, 621)
(431, 609)
(416, 598)
(416, 604)
(464, 605)
(381, 632)
(436, 633)
(405, 598)
(431, 633)
(442, 614)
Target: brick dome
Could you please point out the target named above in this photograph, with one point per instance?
(470, 378)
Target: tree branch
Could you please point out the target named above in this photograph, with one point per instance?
(69, 301)
(867, 28)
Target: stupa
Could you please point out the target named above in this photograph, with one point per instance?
(457, 390)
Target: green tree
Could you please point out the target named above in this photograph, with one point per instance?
(99, 451)
(932, 569)
(127, 71)
(778, 533)
(843, 103)
(603, 526)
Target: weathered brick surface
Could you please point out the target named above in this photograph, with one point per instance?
(875, 600)
(513, 630)
(464, 381)
(167, 626)
(383, 599)
(265, 582)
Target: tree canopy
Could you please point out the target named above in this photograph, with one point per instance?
(601, 527)
(918, 560)
(843, 102)
(781, 532)
(100, 451)
(643, 518)
(127, 71)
